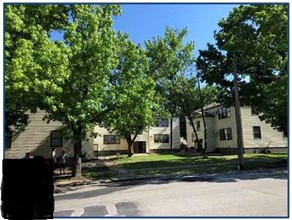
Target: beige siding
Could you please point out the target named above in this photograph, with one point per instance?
(226, 123)
(190, 134)
(147, 136)
(99, 143)
(35, 138)
(270, 137)
(165, 130)
(211, 134)
(158, 130)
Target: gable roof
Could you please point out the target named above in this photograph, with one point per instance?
(198, 113)
(210, 106)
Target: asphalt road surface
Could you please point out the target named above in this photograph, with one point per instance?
(249, 194)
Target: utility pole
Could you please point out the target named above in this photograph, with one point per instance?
(238, 116)
(203, 117)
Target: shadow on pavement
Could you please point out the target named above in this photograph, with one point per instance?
(124, 184)
(91, 193)
(232, 176)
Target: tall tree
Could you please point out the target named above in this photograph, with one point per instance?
(30, 58)
(133, 93)
(168, 57)
(69, 78)
(257, 36)
(252, 42)
(190, 98)
(91, 43)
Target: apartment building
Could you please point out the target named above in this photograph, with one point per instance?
(154, 139)
(40, 137)
(222, 135)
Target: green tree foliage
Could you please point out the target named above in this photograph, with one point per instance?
(257, 36)
(90, 40)
(190, 98)
(132, 93)
(168, 57)
(69, 79)
(31, 58)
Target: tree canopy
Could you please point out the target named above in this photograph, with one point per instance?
(31, 58)
(95, 75)
(257, 36)
(190, 98)
(168, 57)
(132, 95)
(69, 78)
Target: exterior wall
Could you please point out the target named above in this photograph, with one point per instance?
(158, 130)
(36, 139)
(270, 137)
(165, 130)
(147, 136)
(98, 143)
(189, 131)
(214, 124)
(211, 134)
(226, 123)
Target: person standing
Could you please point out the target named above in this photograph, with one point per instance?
(62, 161)
(54, 157)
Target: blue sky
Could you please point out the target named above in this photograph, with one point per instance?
(145, 21)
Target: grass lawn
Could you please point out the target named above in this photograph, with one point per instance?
(179, 163)
(169, 163)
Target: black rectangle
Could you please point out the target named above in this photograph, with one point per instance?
(27, 188)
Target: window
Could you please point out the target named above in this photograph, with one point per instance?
(111, 139)
(162, 122)
(161, 138)
(56, 139)
(198, 125)
(257, 132)
(224, 113)
(225, 134)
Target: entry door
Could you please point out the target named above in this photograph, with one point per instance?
(139, 147)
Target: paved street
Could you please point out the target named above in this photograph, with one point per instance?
(261, 193)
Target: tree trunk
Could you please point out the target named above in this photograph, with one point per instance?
(130, 142)
(205, 134)
(130, 149)
(195, 132)
(171, 132)
(77, 163)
